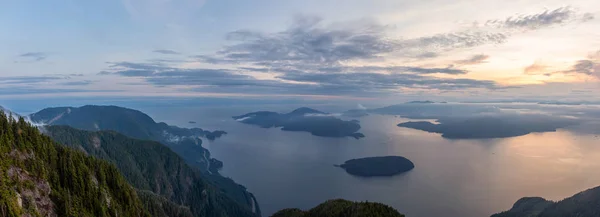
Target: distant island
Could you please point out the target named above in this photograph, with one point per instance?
(356, 113)
(421, 102)
(559, 103)
(192, 122)
(316, 122)
(377, 166)
(489, 127)
(214, 134)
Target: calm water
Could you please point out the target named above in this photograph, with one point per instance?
(451, 178)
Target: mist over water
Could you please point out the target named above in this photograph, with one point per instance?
(451, 177)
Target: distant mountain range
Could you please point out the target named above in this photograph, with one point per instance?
(304, 119)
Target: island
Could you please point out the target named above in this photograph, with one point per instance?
(316, 122)
(490, 127)
(192, 122)
(214, 134)
(421, 102)
(377, 166)
(356, 113)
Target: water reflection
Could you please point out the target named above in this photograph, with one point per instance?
(451, 177)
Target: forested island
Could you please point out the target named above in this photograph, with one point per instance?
(377, 166)
(316, 122)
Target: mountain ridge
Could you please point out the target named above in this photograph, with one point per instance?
(136, 124)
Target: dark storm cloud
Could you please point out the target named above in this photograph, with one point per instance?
(34, 56)
(165, 51)
(547, 18)
(476, 59)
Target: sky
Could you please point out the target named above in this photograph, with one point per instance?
(376, 50)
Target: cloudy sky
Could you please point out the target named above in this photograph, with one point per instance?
(322, 49)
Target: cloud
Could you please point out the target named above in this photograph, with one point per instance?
(34, 56)
(168, 52)
(28, 79)
(476, 59)
(77, 83)
(535, 68)
(427, 55)
(297, 82)
(589, 66)
(353, 69)
(455, 40)
(544, 19)
(377, 82)
(308, 41)
(7, 91)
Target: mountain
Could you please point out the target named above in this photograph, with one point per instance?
(586, 203)
(132, 123)
(39, 177)
(129, 122)
(9, 113)
(304, 119)
(151, 166)
(342, 208)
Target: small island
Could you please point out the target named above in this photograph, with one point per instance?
(192, 122)
(377, 166)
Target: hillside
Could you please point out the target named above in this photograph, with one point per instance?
(39, 177)
(586, 203)
(151, 166)
(132, 123)
(342, 208)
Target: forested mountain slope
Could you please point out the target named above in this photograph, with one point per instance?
(132, 123)
(39, 177)
(151, 166)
